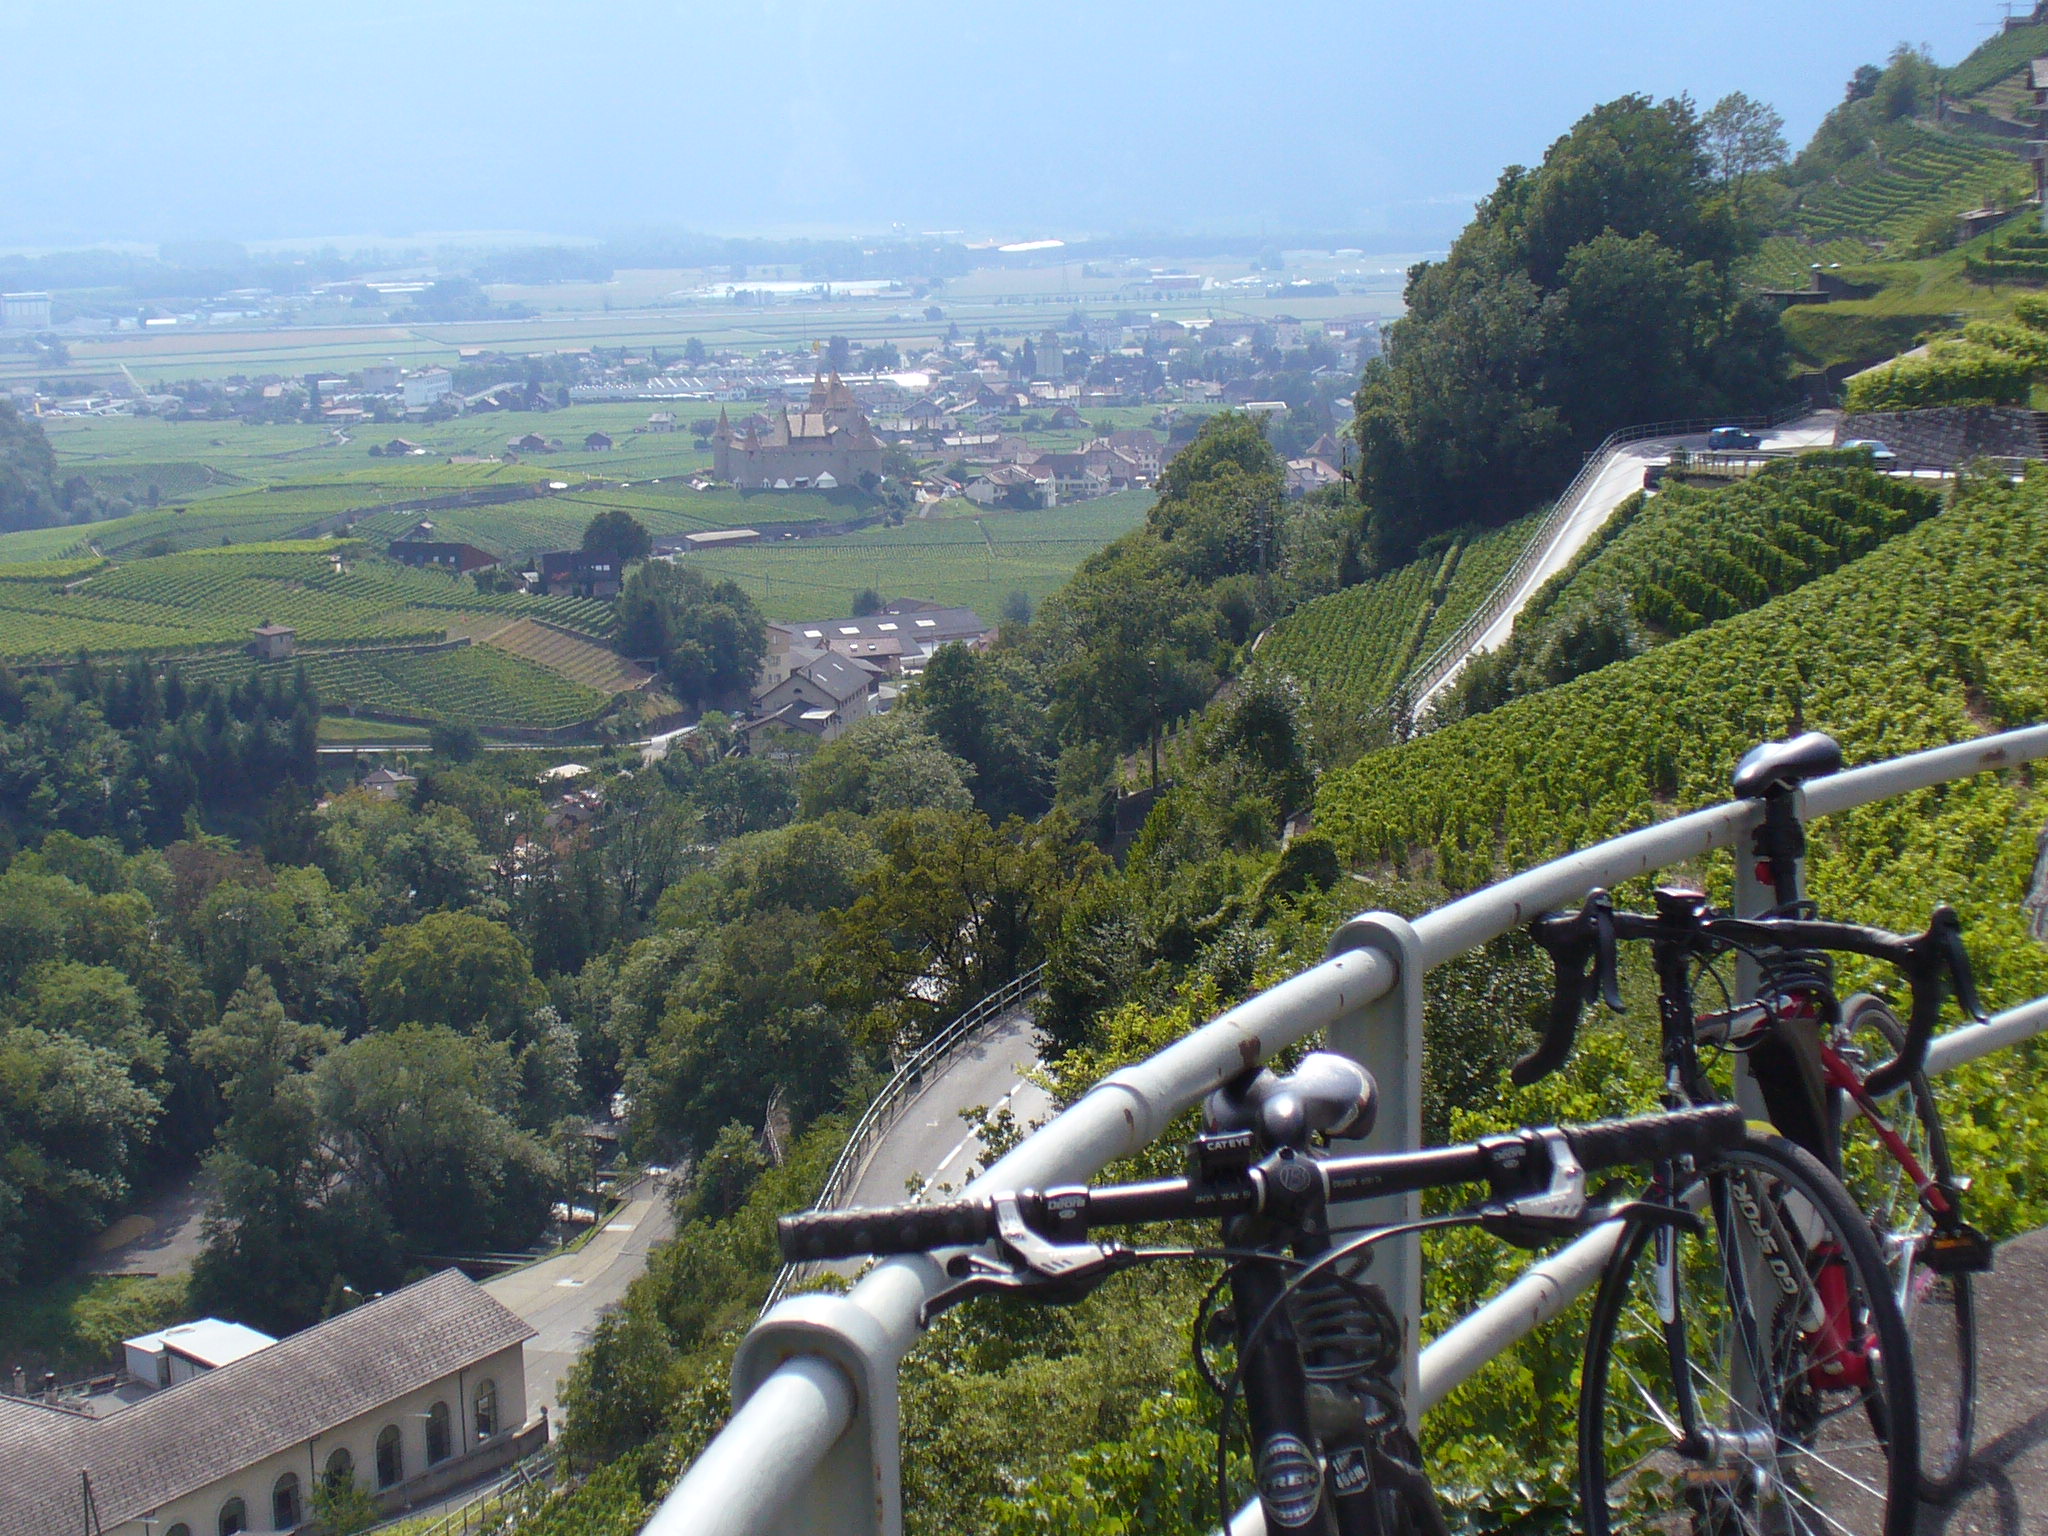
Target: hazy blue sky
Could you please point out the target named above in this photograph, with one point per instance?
(134, 121)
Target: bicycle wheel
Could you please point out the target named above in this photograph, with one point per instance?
(1939, 1311)
(1745, 1378)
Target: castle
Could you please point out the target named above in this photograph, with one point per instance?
(827, 443)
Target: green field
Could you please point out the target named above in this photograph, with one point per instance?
(969, 561)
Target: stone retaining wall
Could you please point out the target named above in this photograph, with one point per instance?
(1951, 435)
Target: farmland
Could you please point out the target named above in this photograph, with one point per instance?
(328, 591)
(473, 685)
(965, 560)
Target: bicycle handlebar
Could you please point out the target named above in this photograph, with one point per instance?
(1590, 936)
(1064, 1214)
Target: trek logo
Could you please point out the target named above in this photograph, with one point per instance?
(1290, 1481)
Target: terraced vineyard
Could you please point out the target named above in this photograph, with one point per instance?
(579, 660)
(474, 685)
(1914, 173)
(1784, 261)
(1349, 649)
(177, 604)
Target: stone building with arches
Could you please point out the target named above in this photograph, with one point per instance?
(410, 1395)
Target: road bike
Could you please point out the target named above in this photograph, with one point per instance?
(1317, 1348)
(1808, 1056)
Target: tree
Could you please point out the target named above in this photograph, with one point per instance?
(707, 636)
(882, 763)
(1743, 138)
(973, 706)
(617, 533)
(693, 352)
(455, 741)
(866, 601)
(839, 355)
(456, 969)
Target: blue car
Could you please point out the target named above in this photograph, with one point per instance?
(1722, 438)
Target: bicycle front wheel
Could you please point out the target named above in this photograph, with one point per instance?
(1749, 1376)
(1939, 1311)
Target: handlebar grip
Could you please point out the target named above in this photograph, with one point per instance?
(1561, 1028)
(1937, 950)
(889, 1229)
(1654, 1138)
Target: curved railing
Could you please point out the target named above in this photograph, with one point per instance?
(1430, 673)
(812, 1444)
(897, 1095)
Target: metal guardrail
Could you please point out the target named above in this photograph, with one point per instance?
(896, 1096)
(1429, 674)
(812, 1443)
(517, 1494)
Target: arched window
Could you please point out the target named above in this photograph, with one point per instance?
(234, 1517)
(341, 1468)
(486, 1410)
(180, 1529)
(284, 1503)
(390, 1456)
(437, 1433)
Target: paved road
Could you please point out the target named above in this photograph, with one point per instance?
(2006, 1493)
(930, 1145)
(562, 1296)
(162, 1236)
(1622, 475)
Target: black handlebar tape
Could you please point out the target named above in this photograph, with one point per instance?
(1654, 1138)
(891, 1229)
(1931, 955)
(1569, 941)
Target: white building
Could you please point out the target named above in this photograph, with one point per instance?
(410, 1395)
(24, 311)
(422, 389)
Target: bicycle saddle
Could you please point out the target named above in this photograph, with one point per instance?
(1785, 764)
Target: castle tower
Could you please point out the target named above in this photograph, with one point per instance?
(1052, 357)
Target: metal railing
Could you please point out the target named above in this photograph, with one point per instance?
(1430, 673)
(512, 1497)
(896, 1096)
(812, 1443)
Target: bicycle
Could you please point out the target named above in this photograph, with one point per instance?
(1847, 1359)
(1318, 1348)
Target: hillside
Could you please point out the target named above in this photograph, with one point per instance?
(1666, 565)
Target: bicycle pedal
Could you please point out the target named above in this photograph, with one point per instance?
(1957, 1250)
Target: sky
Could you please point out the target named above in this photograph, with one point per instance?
(229, 119)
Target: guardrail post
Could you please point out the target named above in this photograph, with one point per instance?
(857, 1489)
(1385, 1037)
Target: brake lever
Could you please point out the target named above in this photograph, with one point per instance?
(1606, 952)
(1038, 1269)
(1947, 929)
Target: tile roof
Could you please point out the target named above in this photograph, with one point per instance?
(187, 1436)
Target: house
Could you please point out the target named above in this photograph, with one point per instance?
(384, 784)
(597, 442)
(273, 642)
(822, 695)
(424, 388)
(402, 447)
(1310, 474)
(661, 421)
(1065, 419)
(530, 442)
(415, 1393)
(432, 555)
(898, 640)
(572, 571)
(1009, 485)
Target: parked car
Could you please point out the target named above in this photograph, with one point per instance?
(1654, 472)
(1880, 455)
(1723, 438)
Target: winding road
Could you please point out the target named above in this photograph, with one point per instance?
(1621, 475)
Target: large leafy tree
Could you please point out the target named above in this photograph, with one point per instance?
(707, 636)
(1593, 291)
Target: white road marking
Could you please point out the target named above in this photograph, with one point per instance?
(972, 1136)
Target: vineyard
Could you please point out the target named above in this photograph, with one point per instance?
(577, 659)
(213, 598)
(1785, 261)
(474, 685)
(1350, 648)
(1909, 175)
(1936, 636)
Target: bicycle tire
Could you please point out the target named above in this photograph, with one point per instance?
(1803, 1458)
(1939, 1310)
